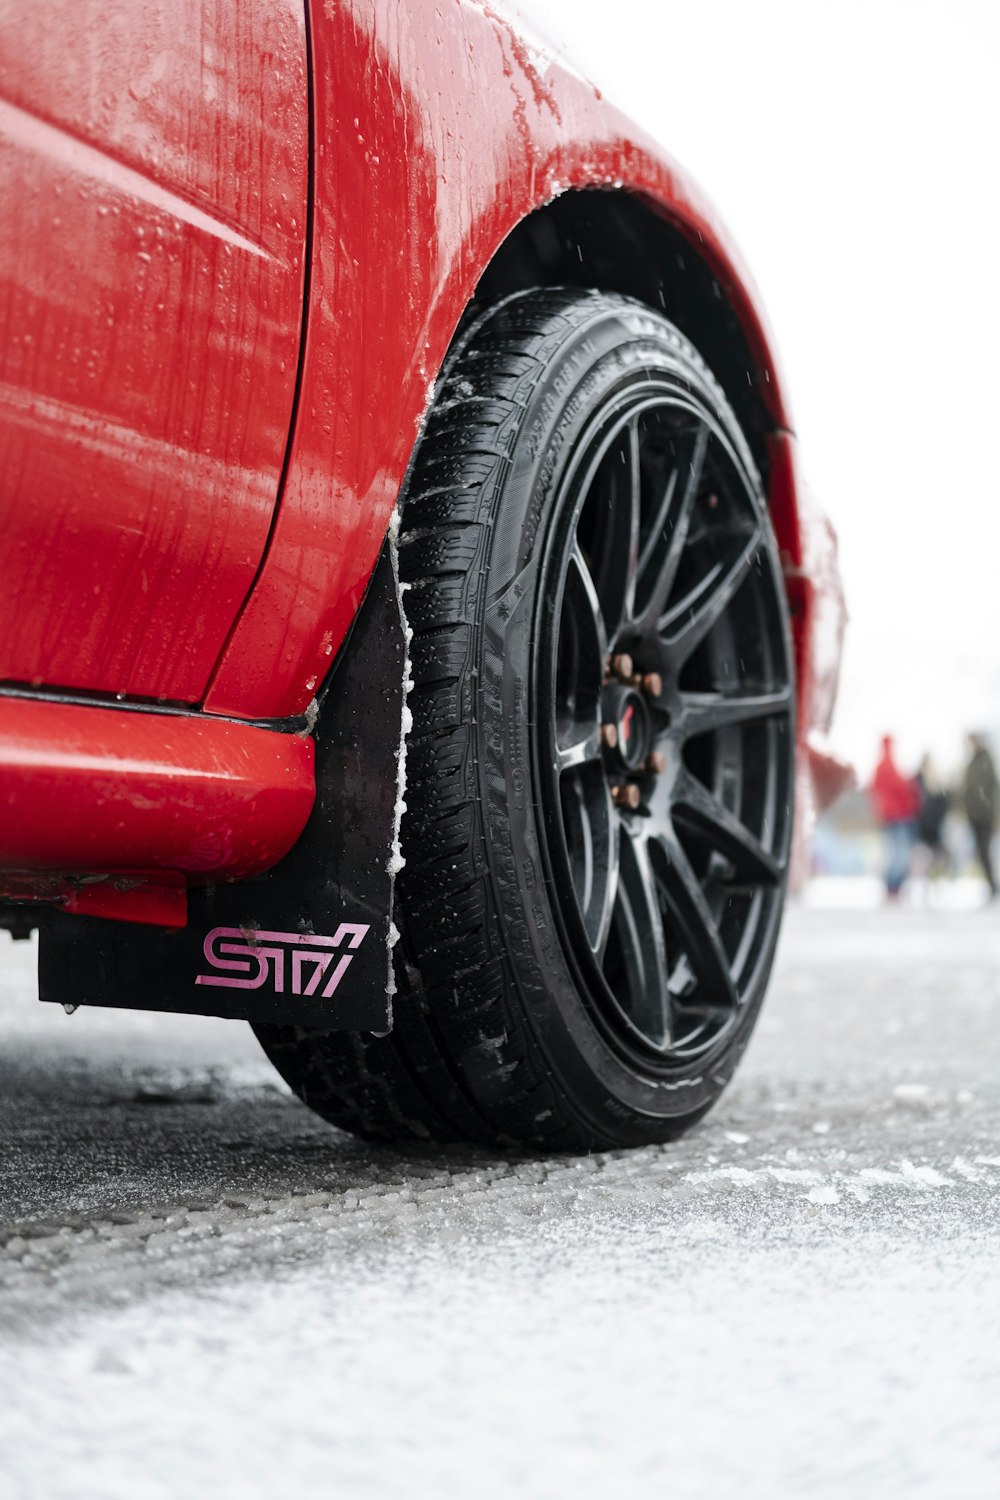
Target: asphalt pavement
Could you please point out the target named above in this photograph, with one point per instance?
(205, 1291)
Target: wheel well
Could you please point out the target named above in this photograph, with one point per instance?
(612, 240)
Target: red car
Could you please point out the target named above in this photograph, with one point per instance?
(411, 628)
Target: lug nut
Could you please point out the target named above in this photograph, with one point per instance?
(656, 763)
(621, 665)
(609, 735)
(626, 796)
(652, 684)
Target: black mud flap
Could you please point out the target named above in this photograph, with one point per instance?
(311, 941)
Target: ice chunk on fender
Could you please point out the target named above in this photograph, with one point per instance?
(309, 942)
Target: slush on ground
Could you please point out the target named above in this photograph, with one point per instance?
(206, 1291)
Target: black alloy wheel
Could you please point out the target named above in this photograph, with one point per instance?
(666, 699)
(601, 765)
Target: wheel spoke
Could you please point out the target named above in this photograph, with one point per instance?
(641, 942)
(703, 713)
(701, 810)
(582, 575)
(604, 913)
(579, 669)
(699, 930)
(676, 509)
(578, 748)
(686, 625)
(635, 516)
(608, 530)
(658, 527)
(593, 834)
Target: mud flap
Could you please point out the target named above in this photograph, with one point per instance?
(310, 942)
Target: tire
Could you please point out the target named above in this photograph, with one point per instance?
(600, 771)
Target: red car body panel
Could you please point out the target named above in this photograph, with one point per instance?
(153, 171)
(437, 130)
(147, 791)
(139, 475)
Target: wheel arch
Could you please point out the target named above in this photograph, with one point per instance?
(612, 239)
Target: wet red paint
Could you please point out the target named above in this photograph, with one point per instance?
(151, 266)
(151, 283)
(435, 134)
(95, 789)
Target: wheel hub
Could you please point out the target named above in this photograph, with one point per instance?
(625, 709)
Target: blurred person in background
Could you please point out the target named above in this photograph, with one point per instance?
(931, 814)
(896, 801)
(981, 799)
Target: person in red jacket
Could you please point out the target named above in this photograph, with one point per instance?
(896, 800)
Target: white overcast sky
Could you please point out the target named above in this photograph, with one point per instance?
(853, 150)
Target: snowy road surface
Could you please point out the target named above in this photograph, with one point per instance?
(206, 1292)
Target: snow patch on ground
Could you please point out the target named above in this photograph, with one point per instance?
(619, 1361)
(206, 1292)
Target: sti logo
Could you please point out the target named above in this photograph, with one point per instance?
(253, 955)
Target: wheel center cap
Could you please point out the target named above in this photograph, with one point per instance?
(627, 710)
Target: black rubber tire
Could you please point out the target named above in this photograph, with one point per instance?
(493, 1041)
